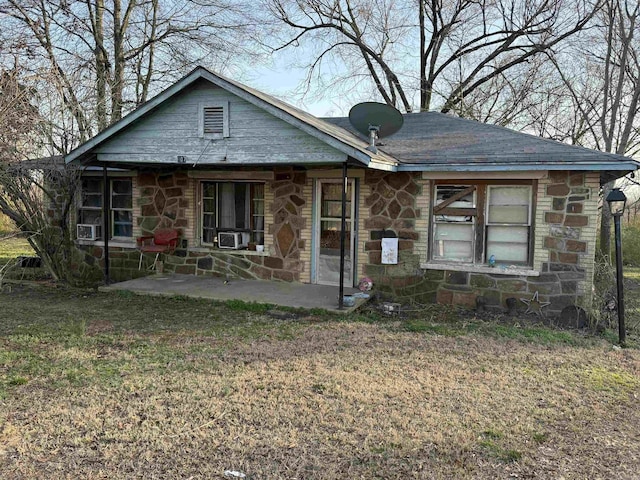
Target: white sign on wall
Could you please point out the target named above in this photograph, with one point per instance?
(390, 251)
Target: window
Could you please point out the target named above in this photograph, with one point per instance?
(91, 203)
(214, 120)
(121, 208)
(232, 206)
(472, 223)
(121, 212)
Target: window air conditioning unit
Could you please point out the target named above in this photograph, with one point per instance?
(87, 232)
(233, 240)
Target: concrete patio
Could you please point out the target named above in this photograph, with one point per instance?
(284, 294)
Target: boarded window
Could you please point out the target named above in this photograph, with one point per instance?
(453, 214)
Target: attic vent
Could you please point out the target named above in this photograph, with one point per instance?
(213, 120)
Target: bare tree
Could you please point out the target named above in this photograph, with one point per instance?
(601, 73)
(37, 195)
(18, 116)
(105, 57)
(462, 47)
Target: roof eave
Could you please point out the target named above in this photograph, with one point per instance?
(496, 167)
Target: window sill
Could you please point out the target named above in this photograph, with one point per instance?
(230, 251)
(112, 243)
(498, 270)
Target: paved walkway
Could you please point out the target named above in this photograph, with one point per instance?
(297, 295)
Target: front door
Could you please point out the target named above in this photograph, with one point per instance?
(327, 228)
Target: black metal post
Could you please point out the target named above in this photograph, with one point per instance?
(106, 222)
(622, 334)
(343, 226)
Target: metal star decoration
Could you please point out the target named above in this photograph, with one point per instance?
(535, 305)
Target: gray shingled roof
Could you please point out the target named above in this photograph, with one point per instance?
(434, 141)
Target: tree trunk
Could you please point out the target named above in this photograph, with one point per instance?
(101, 67)
(424, 102)
(118, 63)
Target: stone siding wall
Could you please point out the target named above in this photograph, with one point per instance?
(163, 201)
(285, 219)
(395, 204)
(563, 253)
(393, 209)
(123, 264)
(248, 265)
(564, 244)
(288, 222)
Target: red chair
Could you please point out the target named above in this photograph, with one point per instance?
(162, 241)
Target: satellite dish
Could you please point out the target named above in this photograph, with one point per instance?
(375, 120)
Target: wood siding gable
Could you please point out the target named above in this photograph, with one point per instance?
(175, 129)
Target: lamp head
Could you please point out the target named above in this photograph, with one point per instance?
(617, 200)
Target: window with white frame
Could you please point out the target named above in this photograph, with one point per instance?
(121, 206)
(214, 120)
(231, 207)
(473, 222)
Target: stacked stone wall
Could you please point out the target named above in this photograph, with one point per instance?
(123, 264)
(557, 287)
(249, 265)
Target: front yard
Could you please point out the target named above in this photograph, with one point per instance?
(96, 385)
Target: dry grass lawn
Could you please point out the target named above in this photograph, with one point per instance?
(115, 386)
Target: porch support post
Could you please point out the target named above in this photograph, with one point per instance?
(106, 223)
(343, 227)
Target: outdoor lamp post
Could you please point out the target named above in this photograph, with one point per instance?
(617, 201)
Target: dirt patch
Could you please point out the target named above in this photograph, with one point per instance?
(99, 326)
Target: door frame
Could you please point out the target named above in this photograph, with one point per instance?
(349, 277)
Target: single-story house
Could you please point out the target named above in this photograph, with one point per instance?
(254, 187)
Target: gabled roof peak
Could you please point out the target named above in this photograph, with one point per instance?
(351, 145)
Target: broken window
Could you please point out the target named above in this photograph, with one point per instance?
(473, 222)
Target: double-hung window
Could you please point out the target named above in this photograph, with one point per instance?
(471, 223)
(232, 207)
(121, 206)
